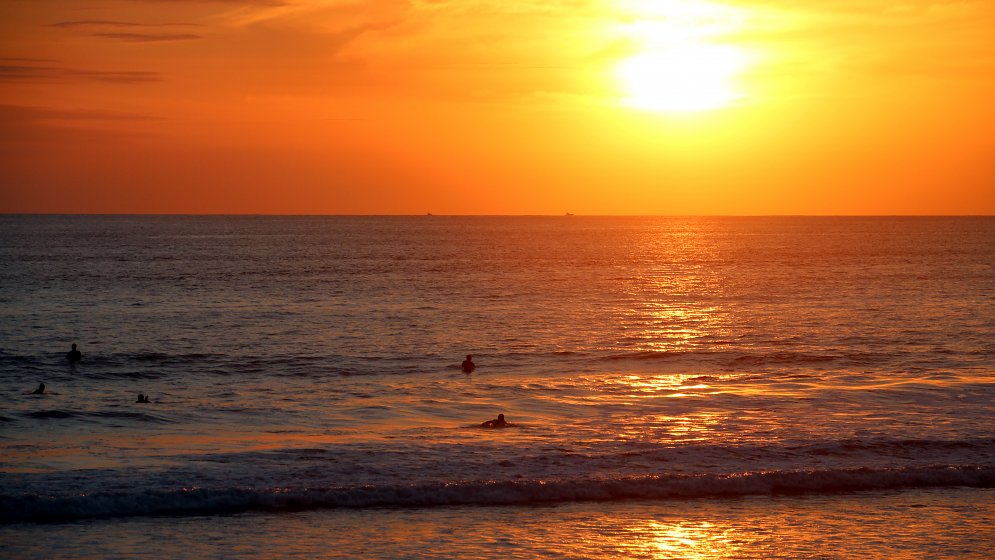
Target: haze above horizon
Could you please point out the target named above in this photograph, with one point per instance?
(527, 107)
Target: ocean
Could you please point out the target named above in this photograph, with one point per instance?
(677, 387)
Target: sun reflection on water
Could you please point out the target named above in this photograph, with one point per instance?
(673, 429)
(659, 385)
(655, 539)
(659, 326)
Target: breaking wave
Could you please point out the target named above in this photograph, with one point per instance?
(198, 500)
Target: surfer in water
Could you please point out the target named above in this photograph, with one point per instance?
(74, 355)
(143, 398)
(498, 422)
(40, 390)
(468, 365)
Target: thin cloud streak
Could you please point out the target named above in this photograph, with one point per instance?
(15, 73)
(147, 37)
(28, 113)
(110, 29)
(114, 23)
(222, 2)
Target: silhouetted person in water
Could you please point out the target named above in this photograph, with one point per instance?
(143, 398)
(496, 423)
(74, 355)
(40, 390)
(468, 365)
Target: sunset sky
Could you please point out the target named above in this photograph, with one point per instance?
(497, 107)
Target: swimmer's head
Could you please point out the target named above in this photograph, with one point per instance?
(74, 346)
(469, 357)
(500, 416)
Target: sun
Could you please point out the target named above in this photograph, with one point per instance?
(679, 64)
(690, 78)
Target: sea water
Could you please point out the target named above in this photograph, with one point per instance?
(678, 387)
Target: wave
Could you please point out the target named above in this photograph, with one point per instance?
(158, 365)
(740, 360)
(199, 501)
(99, 415)
(646, 355)
(781, 358)
(885, 446)
(58, 414)
(162, 357)
(143, 417)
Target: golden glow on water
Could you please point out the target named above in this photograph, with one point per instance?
(686, 540)
(671, 327)
(662, 428)
(659, 385)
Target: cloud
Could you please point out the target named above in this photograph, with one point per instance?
(112, 29)
(113, 23)
(33, 72)
(23, 126)
(242, 2)
(117, 77)
(26, 113)
(24, 59)
(147, 37)
(14, 72)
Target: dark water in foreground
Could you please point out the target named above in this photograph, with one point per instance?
(311, 363)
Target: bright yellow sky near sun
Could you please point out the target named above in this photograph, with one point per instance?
(498, 107)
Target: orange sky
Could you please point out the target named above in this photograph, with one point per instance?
(497, 107)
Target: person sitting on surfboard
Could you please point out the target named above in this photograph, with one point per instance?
(468, 365)
(499, 422)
